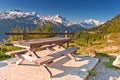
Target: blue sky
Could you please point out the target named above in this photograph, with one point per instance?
(73, 10)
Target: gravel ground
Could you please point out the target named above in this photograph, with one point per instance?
(103, 73)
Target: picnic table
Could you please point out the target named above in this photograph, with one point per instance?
(31, 45)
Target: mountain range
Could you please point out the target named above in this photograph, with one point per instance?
(12, 18)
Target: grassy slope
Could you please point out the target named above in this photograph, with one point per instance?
(100, 37)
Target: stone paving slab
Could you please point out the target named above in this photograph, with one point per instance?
(62, 69)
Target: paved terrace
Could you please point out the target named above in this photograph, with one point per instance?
(62, 69)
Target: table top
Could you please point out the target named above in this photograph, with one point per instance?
(39, 42)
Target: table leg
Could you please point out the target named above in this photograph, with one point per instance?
(48, 70)
(33, 54)
(72, 57)
(20, 60)
(23, 57)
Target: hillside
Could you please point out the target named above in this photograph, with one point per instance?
(104, 35)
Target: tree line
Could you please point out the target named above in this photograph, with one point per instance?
(39, 28)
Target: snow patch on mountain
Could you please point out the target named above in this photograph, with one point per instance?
(90, 23)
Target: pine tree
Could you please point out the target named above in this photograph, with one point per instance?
(16, 29)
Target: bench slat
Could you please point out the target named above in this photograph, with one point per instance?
(51, 57)
(12, 53)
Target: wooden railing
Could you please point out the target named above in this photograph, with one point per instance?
(24, 34)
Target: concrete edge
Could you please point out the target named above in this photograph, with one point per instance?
(93, 68)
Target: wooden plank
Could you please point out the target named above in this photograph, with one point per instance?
(18, 45)
(43, 60)
(12, 53)
(64, 52)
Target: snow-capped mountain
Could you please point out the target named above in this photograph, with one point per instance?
(32, 17)
(28, 17)
(90, 23)
(35, 18)
(12, 14)
(58, 18)
(12, 18)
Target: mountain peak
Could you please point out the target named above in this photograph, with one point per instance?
(58, 18)
(90, 23)
(57, 15)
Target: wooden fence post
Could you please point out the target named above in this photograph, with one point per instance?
(66, 36)
(24, 35)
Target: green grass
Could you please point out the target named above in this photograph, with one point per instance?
(4, 49)
(108, 64)
(3, 56)
(102, 55)
(92, 73)
(111, 59)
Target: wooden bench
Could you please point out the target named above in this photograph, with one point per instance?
(50, 58)
(19, 53)
(16, 52)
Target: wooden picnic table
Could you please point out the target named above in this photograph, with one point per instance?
(30, 45)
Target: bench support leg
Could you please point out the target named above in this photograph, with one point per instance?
(23, 57)
(19, 61)
(33, 54)
(48, 70)
(72, 57)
